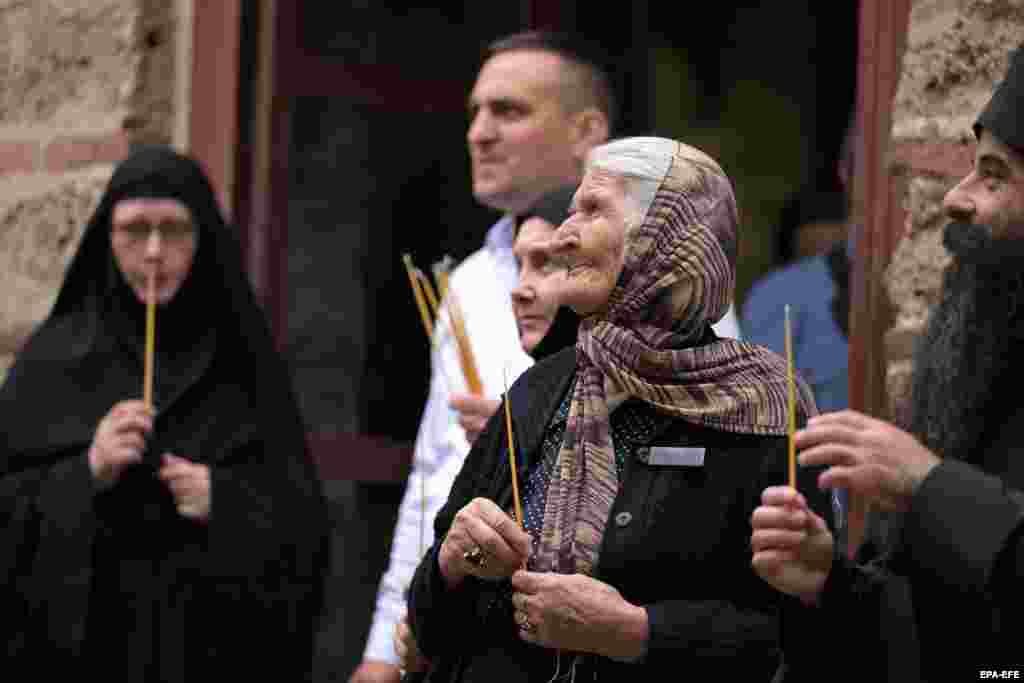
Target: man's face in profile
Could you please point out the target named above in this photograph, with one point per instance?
(968, 352)
(522, 140)
(992, 194)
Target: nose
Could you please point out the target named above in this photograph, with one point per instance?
(154, 245)
(522, 294)
(482, 128)
(958, 203)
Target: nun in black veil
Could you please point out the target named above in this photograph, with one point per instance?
(185, 540)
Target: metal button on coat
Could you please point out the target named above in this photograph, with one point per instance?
(623, 518)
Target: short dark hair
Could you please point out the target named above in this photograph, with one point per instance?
(593, 83)
(552, 207)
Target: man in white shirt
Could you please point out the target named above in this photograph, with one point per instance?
(538, 106)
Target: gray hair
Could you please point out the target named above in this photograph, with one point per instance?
(641, 162)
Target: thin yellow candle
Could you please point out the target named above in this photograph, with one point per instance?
(465, 351)
(442, 269)
(147, 371)
(421, 303)
(512, 458)
(428, 291)
(792, 400)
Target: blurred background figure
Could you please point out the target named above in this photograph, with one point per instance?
(179, 541)
(813, 278)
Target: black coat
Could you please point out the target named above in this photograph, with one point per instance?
(678, 543)
(113, 583)
(938, 596)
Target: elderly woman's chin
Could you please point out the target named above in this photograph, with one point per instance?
(585, 296)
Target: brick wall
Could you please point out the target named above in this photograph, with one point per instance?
(83, 79)
(956, 51)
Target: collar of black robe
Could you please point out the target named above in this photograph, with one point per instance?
(78, 363)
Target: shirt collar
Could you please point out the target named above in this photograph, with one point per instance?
(499, 237)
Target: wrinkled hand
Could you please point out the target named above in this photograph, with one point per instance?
(482, 527)
(372, 671)
(189, 483)
(409, 655)
(870, 457)
(576, 612)
(792, 545)
(474, 412)
(119, 440)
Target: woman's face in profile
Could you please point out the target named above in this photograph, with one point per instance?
(155, 235)
(590, 244)
(534, 299)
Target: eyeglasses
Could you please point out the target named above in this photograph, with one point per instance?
(174, 232)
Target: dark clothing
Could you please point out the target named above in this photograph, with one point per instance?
(942, 600)
(113, 582)
(677, 542)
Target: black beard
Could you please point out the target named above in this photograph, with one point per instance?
(963, 364)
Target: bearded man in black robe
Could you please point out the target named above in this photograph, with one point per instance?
(937, 595)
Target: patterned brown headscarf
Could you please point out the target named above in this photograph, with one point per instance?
(678, 277)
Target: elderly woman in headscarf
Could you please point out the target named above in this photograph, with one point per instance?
(641, 454)
(183, 540)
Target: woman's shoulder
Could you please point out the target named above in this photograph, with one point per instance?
(553, 369)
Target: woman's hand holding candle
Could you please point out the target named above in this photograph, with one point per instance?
(119, 440)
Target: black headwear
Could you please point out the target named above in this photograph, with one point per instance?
(554, 208)
(1004, 112)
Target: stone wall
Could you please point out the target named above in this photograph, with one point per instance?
(956, 52)
(83, 79)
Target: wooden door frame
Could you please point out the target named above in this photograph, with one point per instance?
(879, 217)
(879, 220)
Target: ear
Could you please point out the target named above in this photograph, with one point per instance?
(590, 129)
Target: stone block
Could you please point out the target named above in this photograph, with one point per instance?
(900, 342)
(41, 222)
(898, 379)
(914, 277)
(89, 65)
(956, 52)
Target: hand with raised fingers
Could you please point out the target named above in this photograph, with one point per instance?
(119, 440)
(872, 458)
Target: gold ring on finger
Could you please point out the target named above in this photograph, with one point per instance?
(476, 557)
